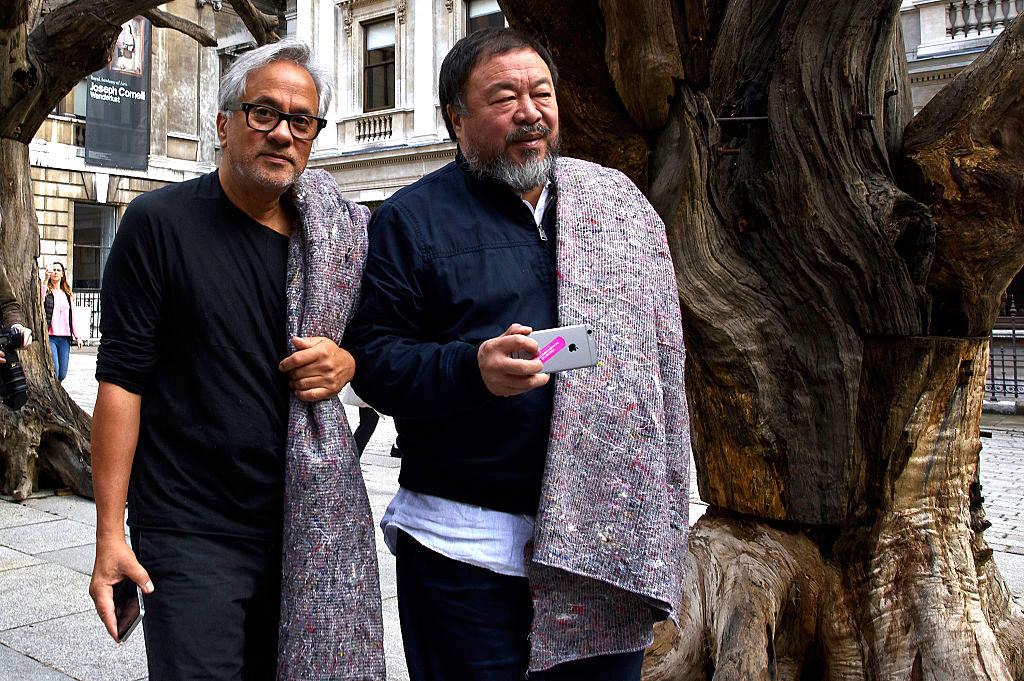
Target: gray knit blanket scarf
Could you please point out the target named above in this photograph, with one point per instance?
(331, 625)
(611, 532)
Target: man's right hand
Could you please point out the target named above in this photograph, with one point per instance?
(115, 560)
(503, 375)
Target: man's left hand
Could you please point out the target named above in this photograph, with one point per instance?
(318, 368)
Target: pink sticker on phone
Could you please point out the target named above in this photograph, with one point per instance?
(551, 349)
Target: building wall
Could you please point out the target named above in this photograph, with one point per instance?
(942, 38)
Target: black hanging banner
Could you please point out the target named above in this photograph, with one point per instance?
(117, 105)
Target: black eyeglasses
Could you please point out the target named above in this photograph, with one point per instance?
(265, 118)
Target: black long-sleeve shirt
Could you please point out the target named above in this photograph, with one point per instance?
(194, 322)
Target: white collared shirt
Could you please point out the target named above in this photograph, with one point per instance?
(479, 536)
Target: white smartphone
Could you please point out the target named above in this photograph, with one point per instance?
(564, 347)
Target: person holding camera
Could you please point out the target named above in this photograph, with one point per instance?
(13, 318)
(11, 314)
(58, 304)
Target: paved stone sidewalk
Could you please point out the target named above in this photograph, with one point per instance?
(49, 631)
(1002, 464)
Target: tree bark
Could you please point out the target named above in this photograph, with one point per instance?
(836, 312)
(50, 434)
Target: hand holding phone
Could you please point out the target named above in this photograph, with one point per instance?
(503, 375)
(128, 608)
(563, 348)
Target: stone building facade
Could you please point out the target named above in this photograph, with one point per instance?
(385, 128)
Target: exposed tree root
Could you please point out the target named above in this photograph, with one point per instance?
(41, 440)
(910, 593)
(765, 604)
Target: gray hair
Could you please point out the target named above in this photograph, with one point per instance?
(232, 85)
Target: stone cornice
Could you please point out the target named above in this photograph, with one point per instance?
(384, 157)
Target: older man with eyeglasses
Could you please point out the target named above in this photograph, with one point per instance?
(217, 420)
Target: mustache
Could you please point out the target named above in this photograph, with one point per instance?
(521, 132)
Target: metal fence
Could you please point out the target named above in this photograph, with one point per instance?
(1006, 358)
(88, 301)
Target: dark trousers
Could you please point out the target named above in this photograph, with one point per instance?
(215, 607)
(464, 623)
(368, 418)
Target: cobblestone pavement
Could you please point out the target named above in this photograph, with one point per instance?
(1002, 462)
(49, 632)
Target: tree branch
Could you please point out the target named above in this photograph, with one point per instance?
(643, 58)
(71, 41)
(162, 19)
(965, 159)
(262, 26)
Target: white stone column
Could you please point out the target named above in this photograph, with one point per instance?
(933, 21)
(304, 20)
(316, 25)
(209, 84)
(424, 27)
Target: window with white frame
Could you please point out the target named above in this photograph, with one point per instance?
(379, 65)
(484, 14)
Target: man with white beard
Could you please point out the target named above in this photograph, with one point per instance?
(541, 521)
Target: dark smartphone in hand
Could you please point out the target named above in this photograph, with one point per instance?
(128, 608)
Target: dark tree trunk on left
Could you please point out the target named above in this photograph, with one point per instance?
(46, 47)
(50, 434)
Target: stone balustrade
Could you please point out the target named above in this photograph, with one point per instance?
(374, 127)
(973, 18)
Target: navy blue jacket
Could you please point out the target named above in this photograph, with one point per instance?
(453, 261)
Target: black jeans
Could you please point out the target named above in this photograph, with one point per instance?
(215, 607)
(465, 623)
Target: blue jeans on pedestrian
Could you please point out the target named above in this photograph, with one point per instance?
(465, 623)
(60, 347)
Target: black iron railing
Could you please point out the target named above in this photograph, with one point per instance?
(1006, 358)
(89, 298)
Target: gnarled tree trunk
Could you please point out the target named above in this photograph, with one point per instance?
(838, 279)
(50, 434)
(47, 47)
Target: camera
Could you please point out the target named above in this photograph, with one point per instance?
(12, 376)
